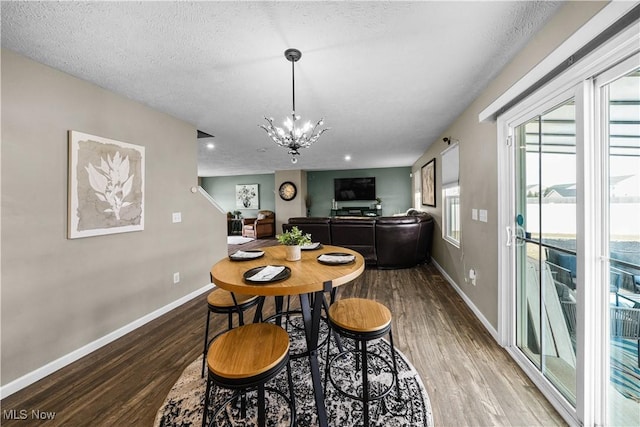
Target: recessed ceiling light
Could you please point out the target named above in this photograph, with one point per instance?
(210, 146)
(347, 158)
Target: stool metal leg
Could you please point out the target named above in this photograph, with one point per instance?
(395, 364)
(230, 320)
(206, 403)
(292, 395)
(206, 340)
(365, 384)
(261, 409)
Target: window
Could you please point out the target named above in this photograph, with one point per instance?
(451, 196)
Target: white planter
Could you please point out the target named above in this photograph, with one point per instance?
(293, 252)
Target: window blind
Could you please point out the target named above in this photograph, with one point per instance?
(450, 166)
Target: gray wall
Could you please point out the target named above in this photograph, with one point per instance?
(222, 189)
(59, 295)
(393, 186)
(478, 168)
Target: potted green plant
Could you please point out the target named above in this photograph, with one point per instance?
(292, 240)
(378, 203)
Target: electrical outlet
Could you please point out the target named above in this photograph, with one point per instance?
(176, 278)
(472, 276)
(176, 217)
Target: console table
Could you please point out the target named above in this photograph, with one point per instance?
(234, 226)
(356, 211)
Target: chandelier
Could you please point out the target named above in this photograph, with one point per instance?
(294, 137)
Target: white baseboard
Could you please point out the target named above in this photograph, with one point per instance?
(49, 368)
(488, 326)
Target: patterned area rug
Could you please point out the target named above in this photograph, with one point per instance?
(183, 406)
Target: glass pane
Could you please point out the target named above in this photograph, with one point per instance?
(546, 244)
(623, 97)
(452, 213)
(528, 331)
(558, 234)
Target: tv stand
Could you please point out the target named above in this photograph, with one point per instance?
(356, 211)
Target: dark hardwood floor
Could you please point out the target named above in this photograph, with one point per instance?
(471, 381)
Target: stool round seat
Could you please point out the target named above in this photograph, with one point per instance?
(249, 351)
(360, 315)
(222, 299)
(222, 302)
(248, 357)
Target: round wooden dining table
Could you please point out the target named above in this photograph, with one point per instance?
(309, 277)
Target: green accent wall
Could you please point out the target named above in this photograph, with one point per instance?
(393, 186)
(223, 190)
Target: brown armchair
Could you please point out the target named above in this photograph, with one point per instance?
(262, 226)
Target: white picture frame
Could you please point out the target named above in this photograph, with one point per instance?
(106, 186)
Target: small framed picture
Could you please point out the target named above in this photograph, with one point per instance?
(429, 183)
(247, 196)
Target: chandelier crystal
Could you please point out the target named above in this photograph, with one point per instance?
(293, 136)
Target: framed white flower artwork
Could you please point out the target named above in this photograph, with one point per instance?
(247, 196)
(106, 186)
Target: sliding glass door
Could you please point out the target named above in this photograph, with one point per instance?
(620, 123)
(572, 215)
(546, 275)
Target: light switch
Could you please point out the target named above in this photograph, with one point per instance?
(474, 214)
(483, 215)
(177, 217)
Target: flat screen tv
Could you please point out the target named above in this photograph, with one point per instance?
(346, 189)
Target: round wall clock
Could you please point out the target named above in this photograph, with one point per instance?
(288, 190)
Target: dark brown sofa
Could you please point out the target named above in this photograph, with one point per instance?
(355, 233)
(318, 227)
(388, 242)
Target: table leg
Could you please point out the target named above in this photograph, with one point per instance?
(279, 300)
(336, 337)
(311, 318)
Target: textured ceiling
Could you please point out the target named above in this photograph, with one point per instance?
(388, 77)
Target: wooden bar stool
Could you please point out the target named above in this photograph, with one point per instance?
(362, 320)
(224, 302)
(248, 357)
